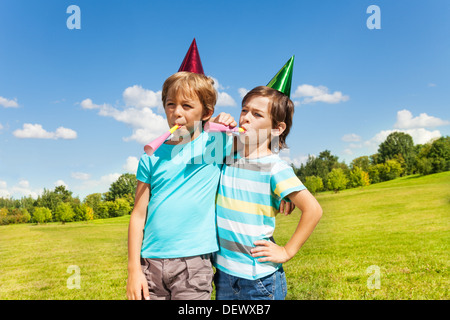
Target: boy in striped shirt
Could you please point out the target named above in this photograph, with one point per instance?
(252, 185)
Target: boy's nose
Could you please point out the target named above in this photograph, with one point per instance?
(246, 118)
(178, 112)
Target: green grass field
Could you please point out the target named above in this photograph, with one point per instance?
(396, 231)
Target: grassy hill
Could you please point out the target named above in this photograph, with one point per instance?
(396, 231)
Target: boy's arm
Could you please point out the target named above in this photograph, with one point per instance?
(228, 120)
(311, 214)
(136, 280)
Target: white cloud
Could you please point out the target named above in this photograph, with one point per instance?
(23, 189)
(242, 92)
(355, 146)
(351, 137)
(80, 175)
(24, 184)
(146, 124)
(131, 165)
(35, 131)
(406, 123)
(88, 104)
(217, 85)
(19, 190)
(8, 103)
(419, 136)
(348, 151)
(4, 193)
(405, 120)
(223, 98)
(61, 183)
(285, 155)
(137, 113)
(311, 94)
(136, 96)
(101, 184)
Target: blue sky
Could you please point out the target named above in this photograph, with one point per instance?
(78, 105)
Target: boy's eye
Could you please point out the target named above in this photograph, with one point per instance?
(187, 106)
(258, 115)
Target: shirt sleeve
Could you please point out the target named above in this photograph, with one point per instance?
(284, 181)
(143, 172)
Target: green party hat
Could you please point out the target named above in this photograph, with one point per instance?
(283, 79)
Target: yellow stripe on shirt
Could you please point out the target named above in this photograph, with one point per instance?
(247, 207)
(286, 184)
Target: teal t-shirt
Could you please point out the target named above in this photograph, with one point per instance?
(183, 180)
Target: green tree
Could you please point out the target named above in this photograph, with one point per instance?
(358, 178)
(125, 184)
(3, 212)
(102, 210)
(314, 184)
(42, 214)
(51, 199)
(440, 154)
(393, 169)
(337, 180)
(424, 166)
(123, 206)
(26, 215)
(398, 143)
(64, 212)
(83, 212)
(362, 162)
(375, 159)
(93, 200)
(320, 166)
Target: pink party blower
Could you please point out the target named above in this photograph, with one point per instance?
(155, 144)
(217, 127)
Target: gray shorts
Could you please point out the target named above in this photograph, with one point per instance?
(188, 278)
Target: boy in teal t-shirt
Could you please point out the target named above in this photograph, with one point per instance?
(172, 230)
(181, 212)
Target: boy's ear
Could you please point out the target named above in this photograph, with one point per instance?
(207, 114)
(279, 129)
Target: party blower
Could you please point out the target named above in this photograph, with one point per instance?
(217, 127)
(155, 144)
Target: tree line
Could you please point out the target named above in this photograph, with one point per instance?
(397, 156)
(59, 205)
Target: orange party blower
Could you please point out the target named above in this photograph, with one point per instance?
(155, 144)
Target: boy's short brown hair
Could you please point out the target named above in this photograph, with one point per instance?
(188, 84)
(281, 109)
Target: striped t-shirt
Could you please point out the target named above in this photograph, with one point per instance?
(248, 199)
